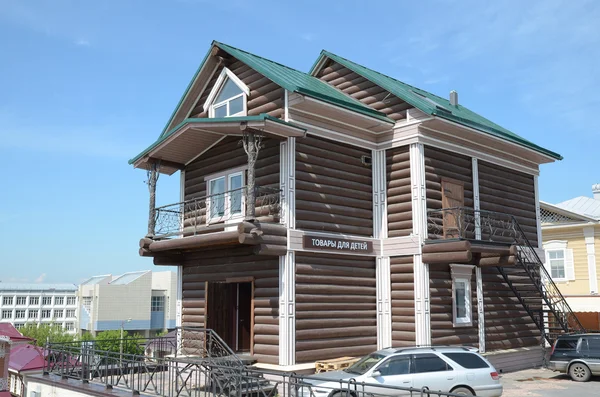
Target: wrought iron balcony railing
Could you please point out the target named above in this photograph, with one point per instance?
(195, 216)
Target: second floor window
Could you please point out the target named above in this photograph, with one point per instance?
(6, 314)
(33, 313)
(19, 313)
(228, 96)
(70, 313)
(226, 198)
(46, 313)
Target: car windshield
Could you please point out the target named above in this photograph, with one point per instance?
(364, 364)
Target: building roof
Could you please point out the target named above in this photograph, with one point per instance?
(582, 205)
(95, 280)
(26, 358)
(127, 278)
(433, 104)
(7, 329)
(37, 287)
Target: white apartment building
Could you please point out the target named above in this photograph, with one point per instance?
(142, 302)
(40, 304)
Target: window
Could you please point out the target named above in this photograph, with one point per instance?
(34, 300)
(19, 325)
(467, 360)
(158, 304)
(226, 200)
(430, 363)
(47, 300)
(69, 326)
(21, 300)
(566, 344)
(46, 313)
(70, 313)
(59, 313)
(6, 314)
(19, 313)
(70, 300)
(395, 366)
(59, 300)
(559, 261)
(86, 301)
(228, 96)
(7, 300)
(461, 295)
(33, 314)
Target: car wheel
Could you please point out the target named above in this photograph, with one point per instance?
(580, 372)
(462, 391)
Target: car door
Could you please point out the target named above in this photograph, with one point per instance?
(393, 372)
(432, 372)
(591, 352)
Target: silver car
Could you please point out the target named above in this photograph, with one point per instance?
(459, 370)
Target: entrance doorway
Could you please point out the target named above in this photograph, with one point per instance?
(229, 313)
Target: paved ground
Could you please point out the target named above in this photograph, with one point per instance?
(545, 383)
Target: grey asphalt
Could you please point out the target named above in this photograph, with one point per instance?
(546, 383)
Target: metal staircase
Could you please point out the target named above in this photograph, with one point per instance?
(552, 314)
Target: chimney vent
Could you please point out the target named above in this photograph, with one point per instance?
(453, 98)
(596, 191)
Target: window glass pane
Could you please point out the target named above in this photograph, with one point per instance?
(566, 344)
(217, 199)
(236, 105)
(221, 111)
(395, 366)
(467, 360)
(235, 185)
(430, 363)
(230, 89)
(460, 295)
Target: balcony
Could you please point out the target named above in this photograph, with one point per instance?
(213, 213)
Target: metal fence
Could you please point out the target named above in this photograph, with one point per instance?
(201, 367)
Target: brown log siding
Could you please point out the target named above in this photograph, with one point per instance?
(229, 154)
(403, 301)
(335, 306)
(265, 96)
(399, 192)
(220, 264)
(333, 187)
(363, 90)
(507, 324)
(443, 331)
(510, 192)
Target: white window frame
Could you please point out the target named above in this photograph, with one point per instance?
(34, 301)
(225, 75)
(71, 300)
(568, 263)
(462, 274)
(227, 175)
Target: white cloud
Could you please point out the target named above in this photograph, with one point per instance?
(40, 278)
(82, 43)
(308, 37)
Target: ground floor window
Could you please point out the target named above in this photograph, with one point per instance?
(462, 311)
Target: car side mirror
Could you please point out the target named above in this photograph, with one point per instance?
(376, 374)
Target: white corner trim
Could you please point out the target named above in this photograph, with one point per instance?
(286, 105)
(287, 309)
(476, 205)
(538, 218)
(588, 233)
(225, 73)
(378, 168)
(384, 309)
(480, 310)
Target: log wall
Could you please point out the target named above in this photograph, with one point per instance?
(510, 192)
(507, 324)
(403, 301)
(335, 306)
(220, 264)
(333, 187)
(363, 90)
(265, 96)
(443, 331)
(399, 205)
(229, 154)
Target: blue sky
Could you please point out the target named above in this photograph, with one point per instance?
(86, 85)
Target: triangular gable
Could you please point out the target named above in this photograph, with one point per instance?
(551, 214)
(431, 104)
(284, 77)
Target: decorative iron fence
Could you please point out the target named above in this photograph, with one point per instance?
(463, 223)
(195, 216)
(202, 365)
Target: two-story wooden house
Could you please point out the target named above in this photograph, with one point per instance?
(331, 213)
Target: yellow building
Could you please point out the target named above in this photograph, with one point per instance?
(571, 236)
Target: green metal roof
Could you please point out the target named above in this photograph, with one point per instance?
(434, 105)
(164, 136)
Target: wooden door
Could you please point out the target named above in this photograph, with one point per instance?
(244, 317)
(453, 198)
(221, 311)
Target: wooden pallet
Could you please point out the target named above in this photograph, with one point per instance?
(334, 364)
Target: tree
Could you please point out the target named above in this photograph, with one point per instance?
(46, 332)
(111, 341)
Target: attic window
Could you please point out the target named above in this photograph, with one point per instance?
(228, 96)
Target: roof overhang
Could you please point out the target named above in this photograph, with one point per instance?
(567, 213)
(193, 137)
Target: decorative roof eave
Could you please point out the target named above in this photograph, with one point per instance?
(428, 108)
(567, 213)
(182, 144)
